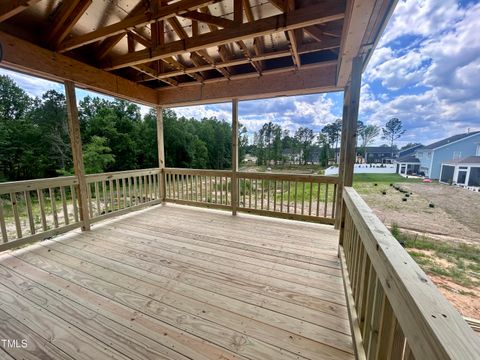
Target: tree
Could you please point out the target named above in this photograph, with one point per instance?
(324, 149)
(332, 132)
(97, 156)
(392, 131)
(367, 134)
(305, 137)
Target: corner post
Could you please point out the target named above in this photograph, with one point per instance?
(341, 159)
(234, 156)
(353, 95)
(77, 153)
(161, 154)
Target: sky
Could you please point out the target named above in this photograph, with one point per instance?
(425, 71)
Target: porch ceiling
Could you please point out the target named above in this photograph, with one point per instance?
(187, 52)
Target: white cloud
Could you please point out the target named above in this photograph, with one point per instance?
(33, 86)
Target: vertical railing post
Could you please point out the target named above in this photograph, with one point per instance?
(350, 129)
(161, 155)
(77, 153)
(341, 160)
(234, 156)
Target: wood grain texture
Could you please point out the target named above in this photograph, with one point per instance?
(157, 284)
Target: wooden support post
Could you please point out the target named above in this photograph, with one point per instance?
(341, 160)
(161, 154)
(77, 153)
(350, 129)
(234, 156)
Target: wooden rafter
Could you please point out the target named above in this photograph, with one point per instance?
(280, 4)
(307, 16)
(238, 12)
(123, 26)
(177, 27)
(23, 56)
(69, 14)
(154, 74)
(140, 38)
(208, 19)
(258, 42)
(109, 43)
(11, 7)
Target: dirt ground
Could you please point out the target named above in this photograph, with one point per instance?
(454, 217)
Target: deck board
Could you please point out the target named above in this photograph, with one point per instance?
(175, 282)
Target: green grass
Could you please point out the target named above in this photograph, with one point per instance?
(463, 259)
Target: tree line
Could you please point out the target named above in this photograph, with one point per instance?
(34, 141)
(272, 144)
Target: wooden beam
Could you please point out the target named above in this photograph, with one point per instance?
(235, 193)
(163, 13)
(296, 19)
(69, 14)
(258, 42)
(11, 8)
(304, 81)
(108, 44)
(140, 38)
(153, 73)
(355, 25)
(325, 44)
(161, 153)
(238, 12)
(25, 57)
(77, 153)
(339, 198)
(350, 137)
(208, 19)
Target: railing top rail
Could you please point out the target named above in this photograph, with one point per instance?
(121, 174)
(434, 329)
(203, 172)
(26, 185)
(289, 177)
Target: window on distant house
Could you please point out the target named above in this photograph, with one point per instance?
(477, 153)
(457, 155)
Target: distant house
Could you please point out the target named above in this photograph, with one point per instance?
(409, 151)
(373, 155)
(408, 165)
(379, 154)
(464, 172)
(454, 148)
(250, 159)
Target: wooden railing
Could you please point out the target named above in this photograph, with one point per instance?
(208, 188)
(301, 197)
(115, 193)
(36, 209)
(396, 312)
(292, 196)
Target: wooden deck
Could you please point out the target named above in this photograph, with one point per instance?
(175, 282)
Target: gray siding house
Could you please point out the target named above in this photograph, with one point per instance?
(453, 148)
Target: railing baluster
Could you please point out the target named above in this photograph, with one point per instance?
(221, 189)
(386, 333)
(310, 199)
(334, 200)
(3, 227)
(216, 202)
(124, 192)
(376, 319)
(281, 196)
(41, 201)
(31, 219)
(295, 197)
(117, 188)
(73, 195)
(262, 194)
(256, 193)
(18, 226)
(53, 203)
(288, 199)
(105, 200)
(89, 200)
(303, 197)
(64, 205)
(268, 194)
(274, 195)
(326, 201)
(318, 199)
(97, 198)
